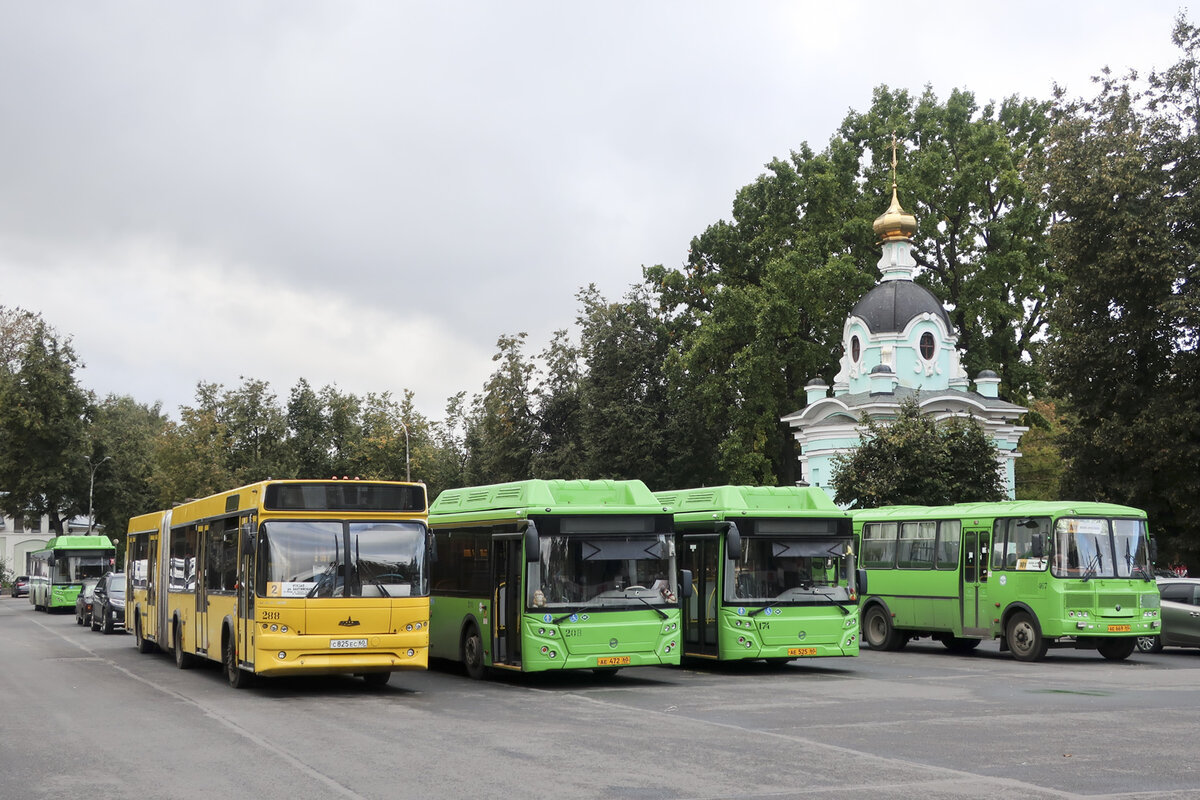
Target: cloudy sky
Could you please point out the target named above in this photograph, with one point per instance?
(369, 194)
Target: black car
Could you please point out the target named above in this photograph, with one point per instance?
(83, 602)
(20, 586)
(108, 603)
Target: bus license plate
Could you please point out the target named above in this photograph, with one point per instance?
(802, 651)
(1118, 629)
(342, 644)
(612, 661)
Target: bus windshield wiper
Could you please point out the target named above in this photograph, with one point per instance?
(329, 571)
(758, 611)
(1092, 566)
(659, 611)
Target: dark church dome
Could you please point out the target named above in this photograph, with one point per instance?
(890, 306)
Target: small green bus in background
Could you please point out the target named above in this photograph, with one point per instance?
(554, 574)
(1032, 574)
(773, 573)
(59, 569)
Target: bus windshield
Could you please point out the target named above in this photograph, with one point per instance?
(777, 569)
(1101, 548)
(74, 568)
(599, 570)
(335, 559)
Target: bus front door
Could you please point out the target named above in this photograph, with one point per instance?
(700, 555)
(506, 604)
(199, 631)
(974, 575)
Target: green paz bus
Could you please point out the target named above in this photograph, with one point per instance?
(60, 568)
(773, 573)
(554, 574)
(1032, 574)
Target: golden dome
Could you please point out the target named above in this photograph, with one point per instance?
(895, 225)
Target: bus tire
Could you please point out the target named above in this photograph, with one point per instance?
(957, 644)
(1117, 649)
(376, 680)
(238, 678)
(1024, 637)
(878, 631)
(140, 641)
(472, 652)
(606, 673)
(182, 660)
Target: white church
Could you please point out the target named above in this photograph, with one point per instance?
(898, 344)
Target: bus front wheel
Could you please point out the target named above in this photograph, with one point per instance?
(1117, 649)
(878, 631)
(1025, 638)
(472, 652)
(238, 678)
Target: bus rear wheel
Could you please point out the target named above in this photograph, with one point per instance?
(1117, 649)
(878, 631)
(472, 653)
(1025, 638)
(182, 660)
(143, 644)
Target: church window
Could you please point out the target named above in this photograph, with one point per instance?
(855, 349)
(927, 346)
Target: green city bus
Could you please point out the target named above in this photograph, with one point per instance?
(1031, 574)
(60, 568)
(554, 574)
(773, 572)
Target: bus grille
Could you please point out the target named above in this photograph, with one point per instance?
(1122, 599)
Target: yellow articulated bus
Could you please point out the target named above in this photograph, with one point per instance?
(286, 577)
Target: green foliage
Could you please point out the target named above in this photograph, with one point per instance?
(1123, 177)
(124, 437)
(43, 419)
(1039, 469)
(758, 309)
(561, 448)
(502, 430)
(914, 460)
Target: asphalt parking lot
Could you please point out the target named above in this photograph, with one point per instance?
(917, 723)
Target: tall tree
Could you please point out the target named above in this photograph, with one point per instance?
(913, 459)
(623, 392)
(503, 435)
(561, 449)
(758, 309)
(43, 419)
(1126, 326)
(126, 433)
(308, 432)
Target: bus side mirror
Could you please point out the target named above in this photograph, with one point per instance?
(685, 583)
(733, 543)
(1153, 550)
(1037, 547)
(432, 548)
(533, 553)
(50, 559)
(249, 541)
(862, 582)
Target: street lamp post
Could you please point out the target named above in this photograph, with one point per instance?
(407, 473)
(91, 486)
